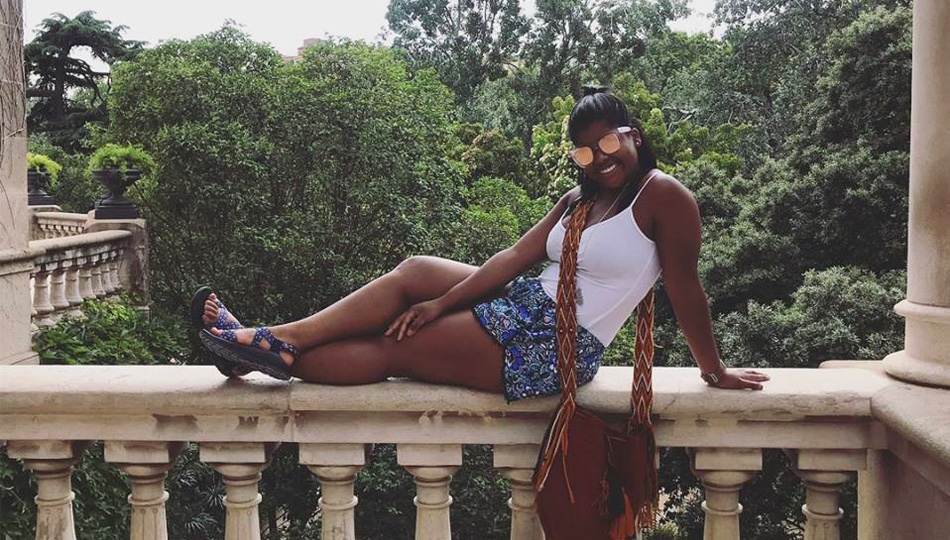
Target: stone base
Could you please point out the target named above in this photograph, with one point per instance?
(23, 358)
(926, 356)
(116, 211)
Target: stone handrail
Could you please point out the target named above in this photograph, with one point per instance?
(57, 224)
(71, 269)
(823, 419)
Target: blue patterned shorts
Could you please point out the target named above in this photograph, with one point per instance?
(523, 323)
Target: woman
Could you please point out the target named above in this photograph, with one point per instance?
(445, 322)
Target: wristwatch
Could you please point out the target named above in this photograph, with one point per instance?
(714, 377)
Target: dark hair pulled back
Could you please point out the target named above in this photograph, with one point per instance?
(598, 104)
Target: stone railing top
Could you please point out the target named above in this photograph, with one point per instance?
(115, 390)
(61, 217)
(80, 240)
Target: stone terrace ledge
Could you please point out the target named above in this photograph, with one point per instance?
(830, 422)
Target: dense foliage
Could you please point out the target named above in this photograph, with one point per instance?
(298, 182)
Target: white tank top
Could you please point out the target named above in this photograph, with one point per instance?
(617, 266)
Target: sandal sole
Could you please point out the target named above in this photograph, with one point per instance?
(244, 355)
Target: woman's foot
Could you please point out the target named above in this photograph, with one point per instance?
(217, 315)
(261, 338)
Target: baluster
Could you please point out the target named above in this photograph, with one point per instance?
(33, 314)
(41, 302)
(240, 464)
(723, 471)
(114, 270)
(824, 473)
(336, 466)
(96, 276)
(516, 463)
(52, 464)
(107, 273)
(72, 288)
(431, 466)
(147, 464)
(57, 283)
(85, 279)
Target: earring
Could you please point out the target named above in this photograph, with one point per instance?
(637, 143)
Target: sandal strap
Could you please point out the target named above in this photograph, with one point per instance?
(276, 345)
(222, 322)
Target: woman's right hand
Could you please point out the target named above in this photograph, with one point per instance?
(414, 318)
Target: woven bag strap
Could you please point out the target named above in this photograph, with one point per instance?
(566, 328)
(566, 310)
(641, 392)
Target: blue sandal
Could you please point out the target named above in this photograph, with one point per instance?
(226, 368)
(268, 362)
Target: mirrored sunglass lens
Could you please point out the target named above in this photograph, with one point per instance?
(609, 143)
(582, 156)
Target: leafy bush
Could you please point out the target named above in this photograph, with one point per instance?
(74, 190)
(42, 163)
(114, 156)
(113, 334)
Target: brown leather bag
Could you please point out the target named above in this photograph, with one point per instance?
(594, 481)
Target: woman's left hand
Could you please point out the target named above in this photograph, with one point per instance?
(413, 318)
(742, 379)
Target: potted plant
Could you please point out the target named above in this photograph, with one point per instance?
(118, 167)
(41, 174)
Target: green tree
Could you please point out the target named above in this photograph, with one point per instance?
(468, 42)
(56, 75)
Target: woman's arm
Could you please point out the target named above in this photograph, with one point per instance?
(677, 235)
(497, 271)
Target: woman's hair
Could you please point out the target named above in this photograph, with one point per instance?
(598, 104)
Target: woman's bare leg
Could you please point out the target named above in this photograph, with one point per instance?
(371, 309)
(453, 349)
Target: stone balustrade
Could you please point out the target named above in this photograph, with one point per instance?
(823, 419)
(71, 269)
(57, 225)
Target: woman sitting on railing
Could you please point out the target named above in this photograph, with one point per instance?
(445, 322)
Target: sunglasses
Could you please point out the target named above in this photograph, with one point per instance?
(608, 144)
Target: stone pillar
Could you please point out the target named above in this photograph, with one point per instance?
(926, 355)
(240, 464)
(723, 471)
(147, 464)
(72, 289)
(41, 297)
(432, 467)
(516, 463)
(336, 465)
(52, 462)
(16, 258)
(57, 291)
(824, 473)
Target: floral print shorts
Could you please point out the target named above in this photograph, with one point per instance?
(523, 323)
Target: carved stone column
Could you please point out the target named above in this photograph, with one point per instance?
(723, 471)
(41, 299)
(432, 467)
(240, 464)
(57, 291)
(72, 289)
(925, 358)
(85, 279)
(52, 463)
(147, 464)
(96, 276)
(336, 465)
(516, 463)
(824, 473)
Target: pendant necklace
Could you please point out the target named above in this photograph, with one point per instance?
(580, 296)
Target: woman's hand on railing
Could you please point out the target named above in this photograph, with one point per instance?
(741, 379)
(414, 318)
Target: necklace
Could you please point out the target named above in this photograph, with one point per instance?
(613, 204)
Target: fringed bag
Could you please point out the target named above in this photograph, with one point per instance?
(594, 481)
